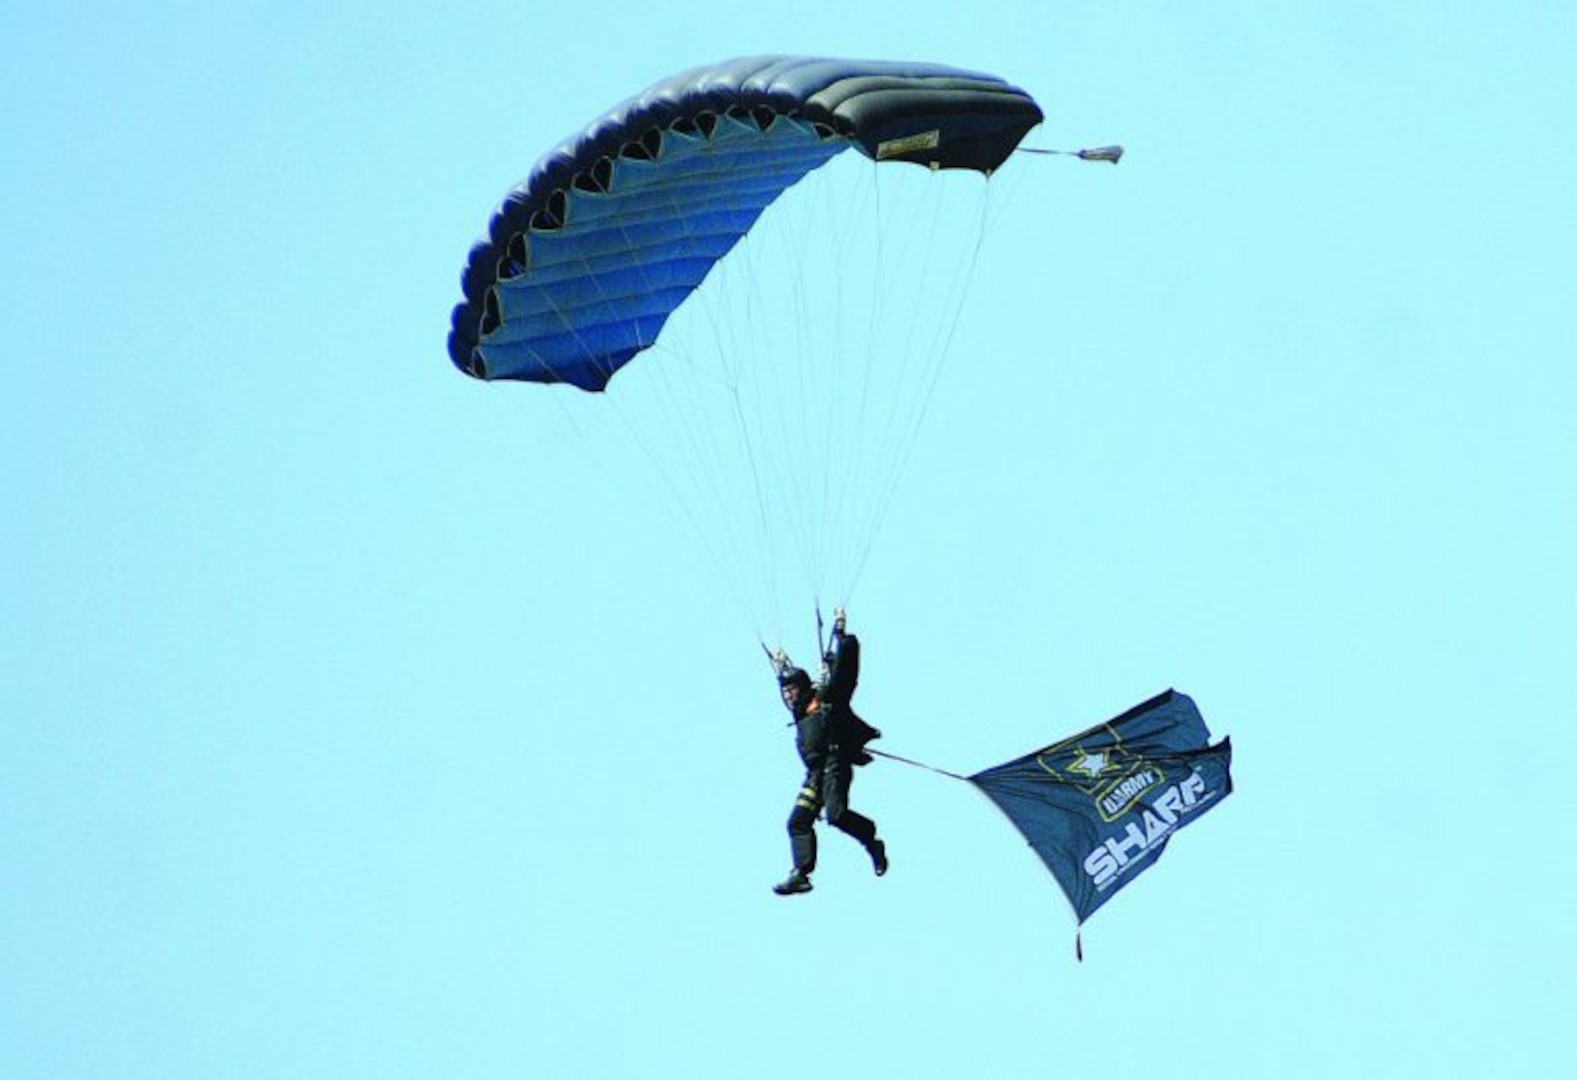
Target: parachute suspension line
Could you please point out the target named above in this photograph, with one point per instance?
(929, 377)
(822, 433)
(758, 414)
(855, 441)
(788, 407)
(734, 356)
(762, 520)
(735, 440)
(898, 198)
(842, 436)
(677, 505)
(837, 433)
(817, 364)
(862, 440)
(754, 456)
(922, 366)
(682, 505)
(793, 389)
(711, 454)
(815, 397)
(876, 385)
(868, 440)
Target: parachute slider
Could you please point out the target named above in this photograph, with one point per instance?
(1113, 153)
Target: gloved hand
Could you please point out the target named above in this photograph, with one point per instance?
(839, 617)
(781, 662)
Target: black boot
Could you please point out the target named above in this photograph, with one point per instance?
(878, 852)
(797, 882)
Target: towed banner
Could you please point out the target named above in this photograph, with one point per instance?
(1099, 807)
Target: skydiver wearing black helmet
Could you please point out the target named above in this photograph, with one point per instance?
(831, 741)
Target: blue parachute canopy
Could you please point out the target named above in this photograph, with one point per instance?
(613, 229)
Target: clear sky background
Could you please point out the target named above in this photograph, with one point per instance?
(350, 727)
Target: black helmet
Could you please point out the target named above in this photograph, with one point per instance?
(796, 677)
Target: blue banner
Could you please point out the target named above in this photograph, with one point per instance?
(1099, 808)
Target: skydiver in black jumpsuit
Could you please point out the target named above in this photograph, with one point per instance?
(831, 742)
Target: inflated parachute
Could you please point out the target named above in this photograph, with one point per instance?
(590, 255)
(775, 392)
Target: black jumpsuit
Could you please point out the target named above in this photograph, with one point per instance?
(829, 743)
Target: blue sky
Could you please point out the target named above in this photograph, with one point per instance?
(355, 725)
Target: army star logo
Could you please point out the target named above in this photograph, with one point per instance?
(1091, 765)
